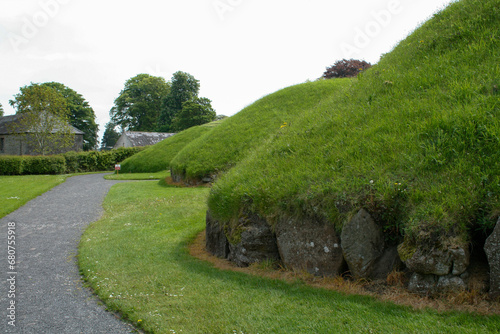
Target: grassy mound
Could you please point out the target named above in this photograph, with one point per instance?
(136, 260)
(414, 140)
(157, 158)
(229, 143)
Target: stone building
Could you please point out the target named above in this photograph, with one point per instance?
(16, 142)
(136, 138)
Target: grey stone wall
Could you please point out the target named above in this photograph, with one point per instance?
(16, 145)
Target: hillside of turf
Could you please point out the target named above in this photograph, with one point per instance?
(157, 157)
(415, 140)
(219, 150)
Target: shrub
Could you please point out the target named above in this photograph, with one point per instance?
(346, 68)
(71, 162)
(11, 165)
(94, 161)
(34, 165)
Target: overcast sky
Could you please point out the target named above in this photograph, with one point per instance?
(239, 50)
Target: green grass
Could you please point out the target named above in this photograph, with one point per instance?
(222, 148)
(414, 140)
(136, 260)
(138, 176)
(157, 158)
(15, 191)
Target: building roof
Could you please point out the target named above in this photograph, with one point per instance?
(6, 127)
(138, 138)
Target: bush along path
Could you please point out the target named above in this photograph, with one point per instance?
(43, 292)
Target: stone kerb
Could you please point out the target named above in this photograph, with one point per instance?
(492, 249)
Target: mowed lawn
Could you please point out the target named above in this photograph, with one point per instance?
(136, 260)
(15, 191)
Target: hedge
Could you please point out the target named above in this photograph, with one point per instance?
(71, 162)
(33, 165)
(11, 165)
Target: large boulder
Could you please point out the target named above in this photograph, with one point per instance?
(256, 241)
(444, 260)
(438, 264)
(216, 241)
(311, 245)
(364, 248)
(492, 249)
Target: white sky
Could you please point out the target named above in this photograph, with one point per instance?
(240, 50)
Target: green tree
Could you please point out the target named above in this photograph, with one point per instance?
(43, 119)
(139, 104)
(184, 88)
(1, 110)
(194, 112)
(81, 115)
(110, 136)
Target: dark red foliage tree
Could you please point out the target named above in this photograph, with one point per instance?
(346, 68)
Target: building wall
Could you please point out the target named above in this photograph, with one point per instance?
(78, 144)
(16, 145)
(13, 145)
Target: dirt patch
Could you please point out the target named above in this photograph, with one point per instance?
(170, 182)
(393, 290)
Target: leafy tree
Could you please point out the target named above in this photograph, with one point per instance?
(184, 88)
(194, 112)
(43, 119)
(81, 115)
(139, 104)
(1, 110)
(346, 68)
(110, 136)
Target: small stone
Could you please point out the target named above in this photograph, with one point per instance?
(422, 284)
(450, 283)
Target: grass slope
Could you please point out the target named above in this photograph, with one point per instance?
(414, 140)
(157, 158)
(136, 260)
(222, 148)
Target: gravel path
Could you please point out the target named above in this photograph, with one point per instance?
(49, 295)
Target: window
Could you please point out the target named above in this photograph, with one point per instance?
(1, 145)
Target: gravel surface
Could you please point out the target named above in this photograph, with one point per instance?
(49, 294)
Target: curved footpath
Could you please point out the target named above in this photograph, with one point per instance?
(49, 294)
